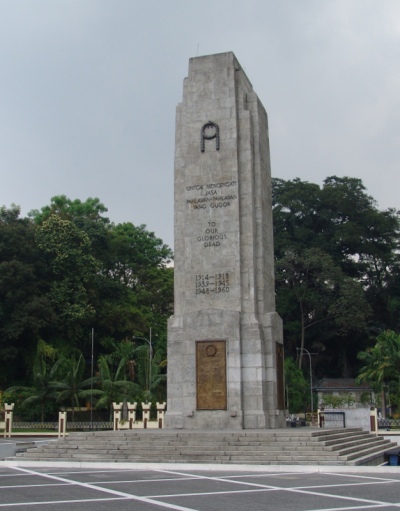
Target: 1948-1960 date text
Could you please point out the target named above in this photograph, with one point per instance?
(207, 283)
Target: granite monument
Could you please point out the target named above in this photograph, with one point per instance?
(225, 351)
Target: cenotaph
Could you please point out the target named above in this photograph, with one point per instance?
(225, 352)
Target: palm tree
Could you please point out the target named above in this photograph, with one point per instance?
(149, 379)
(382, 363)
(44, 386)
(73, 388)
(113, 383)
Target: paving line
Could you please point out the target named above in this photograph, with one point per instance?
(54, 485)
(267, 474)
(220, 479)
(376, 503)
(124, 495)
(141, 481)
(208, 493)
(371, 479)
(350, 508)
(13, 475)
(136, 481)
(344, 485)
(106, 471)
(52, 502)
(375, 480)
(385, 479)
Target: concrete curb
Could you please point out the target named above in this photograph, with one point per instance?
(382, 469)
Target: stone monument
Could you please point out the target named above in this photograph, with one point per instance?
(225, 352)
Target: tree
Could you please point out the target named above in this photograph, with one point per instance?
(67, 251)
(137, 268)
(340, 221)
(67, 269)
(296, 387)
(73, 388)
(44, 388)
(87, 216)
(144, 366)
(112, 384)
(25, 309)
(149, 374)
(382, 363)
(318, 292)
(339, 218)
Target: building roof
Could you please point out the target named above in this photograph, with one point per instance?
(335, 384)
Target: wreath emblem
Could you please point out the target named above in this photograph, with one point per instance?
(209, 131)
(211, 350)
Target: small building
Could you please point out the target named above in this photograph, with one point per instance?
(358, 395)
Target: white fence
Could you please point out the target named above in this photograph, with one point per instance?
(120, 420)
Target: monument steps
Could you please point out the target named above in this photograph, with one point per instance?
(272, 447)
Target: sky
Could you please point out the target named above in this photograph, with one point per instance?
(89, 88)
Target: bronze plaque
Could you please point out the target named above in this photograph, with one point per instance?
(211, 375)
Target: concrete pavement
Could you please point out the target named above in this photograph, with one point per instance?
(97, 487)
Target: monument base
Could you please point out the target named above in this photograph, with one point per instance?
(237, 391)
(203, 420)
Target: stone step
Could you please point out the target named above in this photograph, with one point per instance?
(366, 451)
(350, 443)
(265, 447)
(360, 447)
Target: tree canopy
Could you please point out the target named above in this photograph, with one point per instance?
(67, 269)
(337, 267)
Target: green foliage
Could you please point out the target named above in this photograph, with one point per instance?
(71, 210)
(67, 269)
(382, 366)
(332, 401)
(46, 351)
(320, 293)
(73, 270)
(25, 310)
(338, 273)
(143, 367)
(73, 388)
(296, 387)
(381, 361)
(150, 375)
(42, 391)
(112, 384)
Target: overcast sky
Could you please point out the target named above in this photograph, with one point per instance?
(88, 91)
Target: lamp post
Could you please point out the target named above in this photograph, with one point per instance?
(150, 355)
(311, 393)
(91, 382)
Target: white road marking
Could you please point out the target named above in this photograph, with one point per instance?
(358, 503)
(127, 496)
(370, 502)
(52, 502)
(32, 486)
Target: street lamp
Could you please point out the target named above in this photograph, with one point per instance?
(91, 382)
(150, 355)
(311, 393)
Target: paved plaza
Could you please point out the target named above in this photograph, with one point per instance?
(95, 487)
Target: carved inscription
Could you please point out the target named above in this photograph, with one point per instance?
(212, 236)
(211, 375)
(212, 195)
(212, 283)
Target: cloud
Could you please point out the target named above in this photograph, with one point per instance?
(89, 90)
